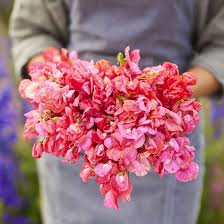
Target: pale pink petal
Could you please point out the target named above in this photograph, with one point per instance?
(31, 90)
(135, 56)
(108, 142)
(114, 154)
(138, 168)
(172, 126)
(86, 87)
(171, 166)
(129, 154)
(73, 55)
(122, 182)
(173, 143)
(91, 123)
(85, 142)
(40, 130)
(102, 169)
(140, 142)
(22, 87)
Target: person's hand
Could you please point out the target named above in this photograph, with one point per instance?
(207, 84)
(36, 58)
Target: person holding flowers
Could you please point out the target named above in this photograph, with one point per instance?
(187, 33)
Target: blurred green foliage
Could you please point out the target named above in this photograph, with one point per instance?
(29, 188)
(212, 207)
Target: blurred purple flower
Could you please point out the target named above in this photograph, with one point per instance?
(8, 193)
(7, 218)
(217, 111)
(5, 3)
(9, 196)
(217, 118)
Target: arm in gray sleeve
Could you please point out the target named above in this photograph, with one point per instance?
(34, 26)
(210, 38)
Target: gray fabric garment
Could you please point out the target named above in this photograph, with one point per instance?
(163, 31)
(155, 200)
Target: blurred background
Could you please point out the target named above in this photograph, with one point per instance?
(19, 193)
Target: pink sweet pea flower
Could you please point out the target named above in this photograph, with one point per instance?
(120, 83)
(31, 90)
(189, 174)
(72, 156)
(37, 150)
(49, 145)
(87, 172)
(122, 182)
(133, 60)
(131, 106)
(23, 86)
(114, 154)
(103, 169)
(110, 200)
(140, 167)
(126, 195)
(85, 141)
(140, 142)
(32, 119)
(123, 119)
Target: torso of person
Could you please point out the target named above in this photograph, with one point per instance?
(162, 29)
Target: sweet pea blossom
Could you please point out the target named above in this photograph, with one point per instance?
(123, 120)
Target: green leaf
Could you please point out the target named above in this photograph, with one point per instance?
(120, 59)
(122, 98)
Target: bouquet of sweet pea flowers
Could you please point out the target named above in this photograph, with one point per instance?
(122, 119)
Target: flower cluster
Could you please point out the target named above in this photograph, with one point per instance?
(123, 119)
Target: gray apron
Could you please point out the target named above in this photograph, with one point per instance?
(163, 30)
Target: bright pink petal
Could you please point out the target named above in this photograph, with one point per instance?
(189, 174)
(110, 200)
(122, 182)
(102, 169)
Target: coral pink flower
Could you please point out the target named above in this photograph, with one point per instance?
(32, 119)
(49, 145)
(37, 150)
(87, 172)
